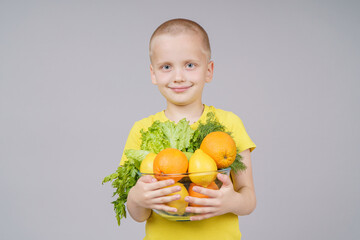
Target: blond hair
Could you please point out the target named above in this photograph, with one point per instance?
(181, 25)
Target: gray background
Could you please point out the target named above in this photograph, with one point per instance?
(74, 76)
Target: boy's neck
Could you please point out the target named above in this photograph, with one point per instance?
(191, 112)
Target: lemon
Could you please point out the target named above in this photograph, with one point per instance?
(179, 204)
(146, 165)
(202, 168)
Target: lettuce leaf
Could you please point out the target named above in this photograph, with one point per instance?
(136, 156)
(153, 139)
(162, 135)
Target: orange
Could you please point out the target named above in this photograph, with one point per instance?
(221, 147)
(199, 195)
(170, 161)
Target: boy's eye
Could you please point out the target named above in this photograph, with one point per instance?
(190, 65)
(166, 67)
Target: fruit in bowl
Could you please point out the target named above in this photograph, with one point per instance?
(187, 154)
(179, 204)
(202, 168)
(192, 193)
(170, 161)
(186, 185)
(199, 170)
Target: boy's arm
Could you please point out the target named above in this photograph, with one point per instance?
(138, 213)
(244, 185)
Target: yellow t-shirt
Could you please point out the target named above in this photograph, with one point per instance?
(220, 227)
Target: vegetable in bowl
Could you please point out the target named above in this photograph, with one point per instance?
(160, 136)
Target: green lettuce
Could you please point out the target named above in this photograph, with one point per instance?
(162, 135)
(136, 156)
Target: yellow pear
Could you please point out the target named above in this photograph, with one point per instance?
(202, 168)
(179, 204)
(147, 164)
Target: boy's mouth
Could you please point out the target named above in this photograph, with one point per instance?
(180, 88)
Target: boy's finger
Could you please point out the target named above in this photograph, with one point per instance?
(165, 208)
(201, 201)
(165, 191)
(208, 192)
(162, 184)
(147, 179)
(224, 179)
(202, 210)
(166, 199)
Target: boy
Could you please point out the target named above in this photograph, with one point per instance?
(180, 66)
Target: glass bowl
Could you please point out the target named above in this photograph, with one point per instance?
(185, 179)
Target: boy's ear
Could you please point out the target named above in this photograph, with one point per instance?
(153, 78)
(210, 72)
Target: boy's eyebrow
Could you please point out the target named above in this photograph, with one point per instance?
(185, 61)
(162, 63)
(192, 60)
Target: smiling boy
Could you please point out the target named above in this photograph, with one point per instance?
(181, 65)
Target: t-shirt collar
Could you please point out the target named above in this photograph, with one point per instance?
(201, 119)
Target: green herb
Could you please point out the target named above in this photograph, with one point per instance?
(212, 125)
(124, 179)
(238, 165)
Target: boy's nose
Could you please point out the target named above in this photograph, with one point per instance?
(179, 77)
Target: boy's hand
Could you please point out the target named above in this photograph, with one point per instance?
(218, 203)
(151, 194)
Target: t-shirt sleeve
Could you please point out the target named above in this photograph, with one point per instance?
(133, 141)
(241, 137)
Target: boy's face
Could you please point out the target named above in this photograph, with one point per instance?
(180, 67)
